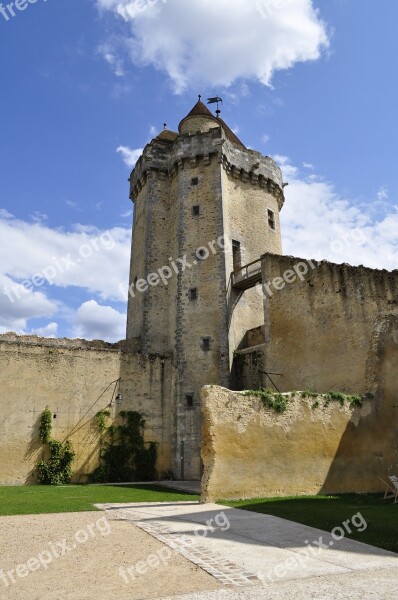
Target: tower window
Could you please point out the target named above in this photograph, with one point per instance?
(135, 280)
(236, 255)
(196, 210)
(193, 294)
(271, 219)
(206, 344)
(195, 181)
(189, 401)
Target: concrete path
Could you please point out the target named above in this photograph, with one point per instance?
(192, 487)
(250, 553)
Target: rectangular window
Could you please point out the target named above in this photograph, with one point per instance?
(195, 180)
(271, 219)
(189, 400)
(236, 255)
(193, 294)
(206, 344)
(196, 210)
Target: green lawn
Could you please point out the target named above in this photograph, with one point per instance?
(327, 512)
(40, 499)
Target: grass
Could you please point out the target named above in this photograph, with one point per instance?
(41, 499)
(328, 512)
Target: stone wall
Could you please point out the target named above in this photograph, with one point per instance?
(251, 451)
(74, 378)
(320, 331)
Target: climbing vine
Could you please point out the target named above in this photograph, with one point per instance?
(45, 426)
(125, 456)
(57, 469)
(101, 420)
(269, 399)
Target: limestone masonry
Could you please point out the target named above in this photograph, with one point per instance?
(213, 302)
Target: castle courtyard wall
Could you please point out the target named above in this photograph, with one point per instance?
(321, 330)
(74, 379)
(251, 451)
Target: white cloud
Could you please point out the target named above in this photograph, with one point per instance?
(218, 42)
(382, 194)
(106, 51)
(94, 321)
(48, 331)
(265, 138)
(84, 257)
(18, 305)
(129, 155)
(320, 223)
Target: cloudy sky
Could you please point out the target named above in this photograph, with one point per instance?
(85, 84)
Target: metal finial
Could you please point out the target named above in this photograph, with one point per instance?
(215, 100)
(200, 97)
(164, 125)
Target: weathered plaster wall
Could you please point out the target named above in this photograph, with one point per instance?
(319, 332)
(250, 451)
(72, 377)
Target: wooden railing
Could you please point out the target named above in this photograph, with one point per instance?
(247, 276)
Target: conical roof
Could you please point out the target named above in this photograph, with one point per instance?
(201, 110)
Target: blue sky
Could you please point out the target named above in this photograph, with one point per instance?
(87, 83)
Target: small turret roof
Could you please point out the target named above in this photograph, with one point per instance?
(201, 110)
(167, 135)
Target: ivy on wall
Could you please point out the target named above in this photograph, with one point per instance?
(57, 469)
(124, 454)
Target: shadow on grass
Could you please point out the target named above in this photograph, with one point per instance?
(328, 512)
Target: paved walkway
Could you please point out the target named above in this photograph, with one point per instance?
(260, 556)
(192, 487)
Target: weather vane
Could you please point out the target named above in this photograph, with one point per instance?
(215, 100)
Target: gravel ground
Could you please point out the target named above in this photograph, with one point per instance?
(78, 556)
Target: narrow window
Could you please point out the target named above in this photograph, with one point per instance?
(236, 255)
(206, 344)
(189, 400)
(196, 210)
(271, 219)
(193, 294)
(195, 180)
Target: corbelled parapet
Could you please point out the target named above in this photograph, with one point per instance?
(167, 154)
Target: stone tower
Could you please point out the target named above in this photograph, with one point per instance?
(204, 205)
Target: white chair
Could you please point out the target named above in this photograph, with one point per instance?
(391, 488)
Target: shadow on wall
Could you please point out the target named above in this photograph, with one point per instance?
(33, 452)
(381, 424)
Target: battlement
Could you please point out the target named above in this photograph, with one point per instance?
(168, 155)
